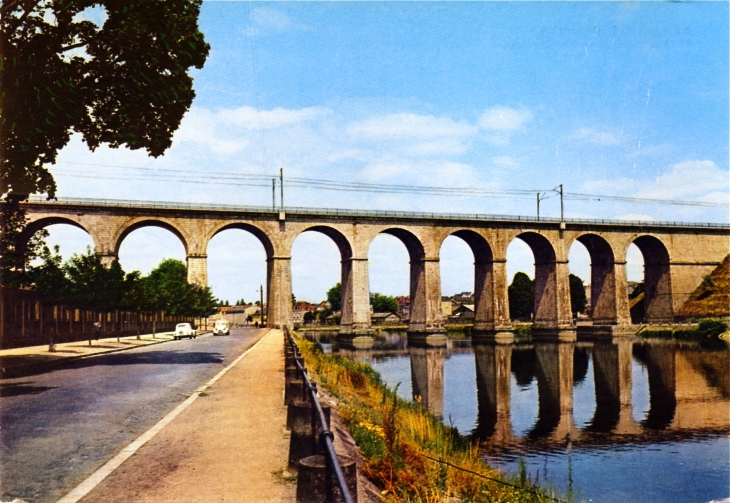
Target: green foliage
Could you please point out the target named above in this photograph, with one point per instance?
(521, 297)
(16, 249)
(92, 285)
(49, 277)
(122, 83)
(383, 303)
(168, 289)
(578, 300)
(712, 327)
(334, 297)
(309, 317)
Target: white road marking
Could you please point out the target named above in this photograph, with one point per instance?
(95, 478)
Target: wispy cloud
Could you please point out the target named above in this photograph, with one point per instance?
(265, 21)
(504, 119)
(688, 179)
(408, 125)
(597, 136)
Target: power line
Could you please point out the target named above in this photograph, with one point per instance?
(249, 179)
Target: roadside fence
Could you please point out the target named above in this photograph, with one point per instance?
(323, 476)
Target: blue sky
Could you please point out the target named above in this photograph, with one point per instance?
(609, 98)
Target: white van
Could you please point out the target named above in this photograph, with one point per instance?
(221, 327)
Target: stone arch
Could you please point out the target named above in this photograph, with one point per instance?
(658, 306)
(608, 282)
(34, 226)
(256, 231)
(425, 288)
(552, 291)
(354, 288)
(342, 242)
(490, 307)
(132, 226)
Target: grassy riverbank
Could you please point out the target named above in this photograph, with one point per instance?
(410, 454)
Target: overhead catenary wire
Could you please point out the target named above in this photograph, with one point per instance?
(246, 179)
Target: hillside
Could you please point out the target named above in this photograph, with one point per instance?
(712, 296)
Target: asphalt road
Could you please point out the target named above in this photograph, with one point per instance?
(58, 427)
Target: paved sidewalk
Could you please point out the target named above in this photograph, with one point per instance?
(228, 445)
(23, 361)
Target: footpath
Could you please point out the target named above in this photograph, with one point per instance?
(28, 360)
(226, 443)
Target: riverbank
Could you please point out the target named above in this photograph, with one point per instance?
(409, 453)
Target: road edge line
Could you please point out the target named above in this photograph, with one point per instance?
(100, 474)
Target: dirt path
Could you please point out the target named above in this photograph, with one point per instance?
(225, 447)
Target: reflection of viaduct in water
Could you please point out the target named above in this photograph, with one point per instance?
(676, 256)
(689, 390)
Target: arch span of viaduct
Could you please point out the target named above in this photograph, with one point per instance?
(676, 256)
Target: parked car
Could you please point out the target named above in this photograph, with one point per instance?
(221, 327)
(185, 330)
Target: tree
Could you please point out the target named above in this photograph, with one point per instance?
(383, 303)
(92, 284)
(293, 299)
(521, 297)
(168, 289)
(578, 300)
(309, 317)
(334, 297)
(124, 82)
(49, 277)
(16, 251)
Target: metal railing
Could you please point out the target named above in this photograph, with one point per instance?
(326, 438)
(480, 217)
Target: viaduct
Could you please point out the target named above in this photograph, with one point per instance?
(676, 255)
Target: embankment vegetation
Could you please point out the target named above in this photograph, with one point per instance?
(409, 453)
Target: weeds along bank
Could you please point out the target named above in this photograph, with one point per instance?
(410, 454)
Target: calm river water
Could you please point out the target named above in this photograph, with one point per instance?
(621, 421)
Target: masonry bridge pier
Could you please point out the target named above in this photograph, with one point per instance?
(676, 256)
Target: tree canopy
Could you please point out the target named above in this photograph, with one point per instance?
(383, 303)
(123, 81)
(578, 300)
(521, 297)
(85, 282)
(334, 297)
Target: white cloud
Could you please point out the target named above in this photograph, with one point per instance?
(264, 21)
(408, 125)
(250, 118)
(688, 179)
(596, 136)
(501, 118)
(609, 187)
(426, 172)
(505, 161)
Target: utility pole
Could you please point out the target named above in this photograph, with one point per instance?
(273, 194)
(540, 197)
(281, 180)
(559, 190)
(261, 303)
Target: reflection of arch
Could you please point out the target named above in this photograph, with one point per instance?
(552, 294)
(261, 235)
(147, 222)
(657, 280)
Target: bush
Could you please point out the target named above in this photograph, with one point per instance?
(712, 328)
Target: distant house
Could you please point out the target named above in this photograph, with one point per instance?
(447, 306)
(463, 312)
(404, 307)
(384, 319)
(464, 298)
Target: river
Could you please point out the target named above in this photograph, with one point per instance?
(618, 420)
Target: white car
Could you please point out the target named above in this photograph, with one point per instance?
(184, 330)
(221, 327)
